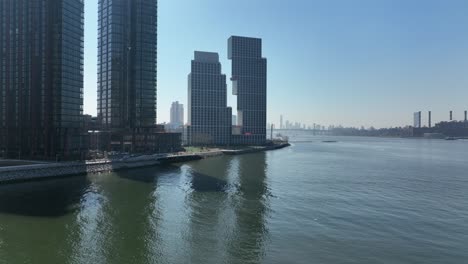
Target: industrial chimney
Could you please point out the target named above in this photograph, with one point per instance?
(430, 119)
(451, 115)
(466, 112)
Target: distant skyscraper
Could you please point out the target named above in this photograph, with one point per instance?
(209, 118)
(41, 77)
(281, 121)
(234, 120)
(127, 63)
(249, 77)
(417, 119)
(177, 114)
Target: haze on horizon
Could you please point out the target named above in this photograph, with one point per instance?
(365, 63)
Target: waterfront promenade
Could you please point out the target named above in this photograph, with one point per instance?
(63, 169)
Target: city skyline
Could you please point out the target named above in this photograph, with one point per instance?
(371, 64)
(266, 131)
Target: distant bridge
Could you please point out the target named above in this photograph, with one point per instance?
(315, 132)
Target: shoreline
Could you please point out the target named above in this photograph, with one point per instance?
(24, 173)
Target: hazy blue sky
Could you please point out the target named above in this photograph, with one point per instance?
(349, 62)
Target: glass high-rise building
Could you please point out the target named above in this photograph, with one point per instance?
(249, 79)
(41, 77)
(209, 118)
(127, 63)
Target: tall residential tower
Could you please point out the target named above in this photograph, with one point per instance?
(127, 76)
(127, 64)
(209, 118)
(41, 77)
(249, 80)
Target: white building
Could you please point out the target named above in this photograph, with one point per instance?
(177, 115)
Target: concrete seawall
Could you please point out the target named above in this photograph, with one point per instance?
(32, 172)
(52, 170)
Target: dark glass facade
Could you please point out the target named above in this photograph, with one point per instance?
(127, 57)
(209, 118)
(41, 77)
(249, 77)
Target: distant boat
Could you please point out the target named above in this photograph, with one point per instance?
(450, 138)
(329, 141)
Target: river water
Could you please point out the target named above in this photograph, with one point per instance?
(358, 200)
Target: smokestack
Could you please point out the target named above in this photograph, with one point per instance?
(466, 112)
(451, 115)
(430, 119)
(419, 119)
